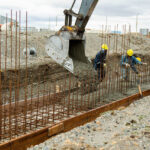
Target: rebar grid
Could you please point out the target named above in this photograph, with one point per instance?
(35, 97)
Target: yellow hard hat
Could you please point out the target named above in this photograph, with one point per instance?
(138, 58)
(105, 47)
(130, 52)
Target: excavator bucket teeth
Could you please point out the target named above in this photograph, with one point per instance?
(67, 51)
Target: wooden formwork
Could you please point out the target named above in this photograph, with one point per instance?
(39, 136)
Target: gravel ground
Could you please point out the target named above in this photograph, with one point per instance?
(122, 129)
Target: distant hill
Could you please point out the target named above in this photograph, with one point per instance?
(3, 20)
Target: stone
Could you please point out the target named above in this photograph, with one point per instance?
(94, 129)
(101, 148)
(133, 121)
(105, 143)
(88, 126)
(132, 136)
(117, 134)
(98, 122)
(121, 108)
(117, 122)
(113, 142)
(128, 124)
(82, 148)
(46, 148)
(99, 129)
(113, 113)
(67, 142)
(81, 139)
(89, 131)
(36, 147)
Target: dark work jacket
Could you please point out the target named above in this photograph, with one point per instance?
(100, 59)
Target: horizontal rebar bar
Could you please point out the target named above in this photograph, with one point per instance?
(36, 96)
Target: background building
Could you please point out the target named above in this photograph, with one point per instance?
(10, 23)
(144, 31)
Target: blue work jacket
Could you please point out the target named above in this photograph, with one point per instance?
(131, 61)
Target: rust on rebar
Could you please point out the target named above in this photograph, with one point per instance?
(39, 136)
(0, 94)
(42, 96)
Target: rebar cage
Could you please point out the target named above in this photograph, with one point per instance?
(35, 95)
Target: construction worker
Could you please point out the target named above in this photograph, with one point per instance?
(139, 59)
(100, 61)
(129, 61)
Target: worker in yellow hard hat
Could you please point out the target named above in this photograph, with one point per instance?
(128, 61)
(100, 61)
(139, 59)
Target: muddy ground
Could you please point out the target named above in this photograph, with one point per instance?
(12, 56)
(41, 71)
(45, 78)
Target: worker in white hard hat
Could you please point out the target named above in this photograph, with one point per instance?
(100, 61)
(128, 61)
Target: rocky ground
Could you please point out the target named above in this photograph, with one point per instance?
(122, 129)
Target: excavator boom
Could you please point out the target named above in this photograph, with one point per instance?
(86, 9)
(67, 46)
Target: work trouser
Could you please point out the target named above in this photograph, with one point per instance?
(125, 72)
(101, 72)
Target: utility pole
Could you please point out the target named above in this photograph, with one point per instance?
(56, 21)
(49, 24)
(137, 24)
(106, 24)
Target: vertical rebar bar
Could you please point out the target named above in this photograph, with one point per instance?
(0, 92)
(16, 101)
(5, 75)
(26, 76)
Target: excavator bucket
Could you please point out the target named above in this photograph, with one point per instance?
(67, 47)
(67, 50)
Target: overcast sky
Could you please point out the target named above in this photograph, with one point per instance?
(42, 13)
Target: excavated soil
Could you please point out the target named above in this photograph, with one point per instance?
(116, 43)
(41, 72)
(12, 56)
(46, 77)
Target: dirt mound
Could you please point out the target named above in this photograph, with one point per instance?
(117, 44)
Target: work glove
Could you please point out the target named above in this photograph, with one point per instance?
(139, 75)
(127, 65)
(105, 65)
(144, 64)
